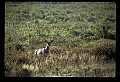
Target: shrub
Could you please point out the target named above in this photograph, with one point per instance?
(107, 49)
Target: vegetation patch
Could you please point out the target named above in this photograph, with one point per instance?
(83, 34)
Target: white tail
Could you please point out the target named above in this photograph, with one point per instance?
(44, 51)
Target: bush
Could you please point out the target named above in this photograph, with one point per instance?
(107, 48)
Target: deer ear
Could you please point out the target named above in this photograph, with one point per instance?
(45, 40)
(51, 40)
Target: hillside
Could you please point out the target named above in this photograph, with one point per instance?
(83, 34)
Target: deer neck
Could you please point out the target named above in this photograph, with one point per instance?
(47, 47)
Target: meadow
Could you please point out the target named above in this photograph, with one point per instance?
(83, 34)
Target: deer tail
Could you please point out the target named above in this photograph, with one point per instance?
(35, 52)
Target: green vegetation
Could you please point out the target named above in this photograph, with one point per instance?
(84, 37)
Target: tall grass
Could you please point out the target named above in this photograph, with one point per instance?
(61, 62)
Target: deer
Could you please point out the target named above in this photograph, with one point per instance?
(44, 51)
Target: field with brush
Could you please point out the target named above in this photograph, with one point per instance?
(83, 34)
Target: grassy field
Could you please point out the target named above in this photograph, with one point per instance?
(83, 34)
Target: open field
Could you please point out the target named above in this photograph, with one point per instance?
(83, 34)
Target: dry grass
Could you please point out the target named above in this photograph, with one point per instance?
(62, 62)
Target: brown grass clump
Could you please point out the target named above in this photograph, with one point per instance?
(106, 48)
